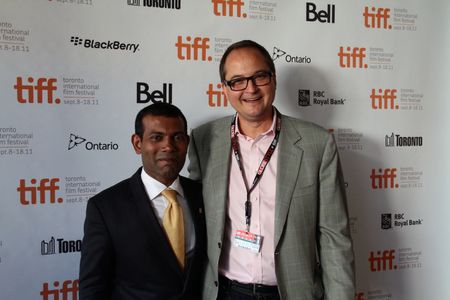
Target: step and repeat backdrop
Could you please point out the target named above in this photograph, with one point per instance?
(74, 73)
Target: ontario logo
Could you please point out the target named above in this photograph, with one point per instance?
(278, 53)
(107, 45)
(76, 140)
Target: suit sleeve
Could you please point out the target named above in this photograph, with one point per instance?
(194, 168)
(97, 260)
(335, 244)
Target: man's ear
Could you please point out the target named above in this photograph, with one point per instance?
(137, 143)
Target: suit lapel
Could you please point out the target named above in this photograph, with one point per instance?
(149, 220)
(289, 161)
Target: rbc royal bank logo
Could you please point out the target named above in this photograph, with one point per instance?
(38, 91)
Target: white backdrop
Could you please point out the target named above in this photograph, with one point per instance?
(74, 73)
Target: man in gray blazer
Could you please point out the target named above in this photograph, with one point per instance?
(275, 205)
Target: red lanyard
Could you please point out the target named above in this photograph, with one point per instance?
(262, 165)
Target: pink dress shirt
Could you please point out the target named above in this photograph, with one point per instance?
(241, 264)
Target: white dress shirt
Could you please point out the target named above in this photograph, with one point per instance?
(159, 204)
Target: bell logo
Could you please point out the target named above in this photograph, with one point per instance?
(377, 17)
(382, 261)
(359, 296)
(385, 99)
(224, 8)
(323, 16)
(352, 58)
(26, 92)
(68, 291)
(216, 97)
(385, 179)
(47, 187)
(193, 48)
(143, 95)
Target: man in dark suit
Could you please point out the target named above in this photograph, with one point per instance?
(144, 237)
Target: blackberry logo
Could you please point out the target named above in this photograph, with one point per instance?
(110, 45)
(76, 40)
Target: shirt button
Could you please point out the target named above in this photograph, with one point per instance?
(216, 283)
(219, 245)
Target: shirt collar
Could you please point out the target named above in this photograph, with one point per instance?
(269, 131)
(154, 187)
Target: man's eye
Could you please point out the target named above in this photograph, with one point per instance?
(180, 137)
(238, 81)
(155, 137)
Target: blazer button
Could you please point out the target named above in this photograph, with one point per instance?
(216, 283)
(219, 244)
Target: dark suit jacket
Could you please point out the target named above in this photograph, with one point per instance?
(125, 252)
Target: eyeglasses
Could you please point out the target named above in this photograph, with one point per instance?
(241, 83)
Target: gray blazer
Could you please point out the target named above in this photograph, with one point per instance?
(313, 247)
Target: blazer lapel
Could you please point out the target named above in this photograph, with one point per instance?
(289, 161)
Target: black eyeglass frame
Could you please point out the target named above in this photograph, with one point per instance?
(252, 78)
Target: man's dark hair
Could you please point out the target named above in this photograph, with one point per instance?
(160, 109)
(245, 44)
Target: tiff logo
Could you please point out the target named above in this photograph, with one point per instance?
(47, 189)
(352, 58)
(385, 179)
(223, 8)
(134, 2)
(385, 99)
(143, 95)
(191, 50)
(216, 97)
(43, 90)
(48, 248)
(68, 291)
(377, 17)
(323, 16)
(382, 261)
